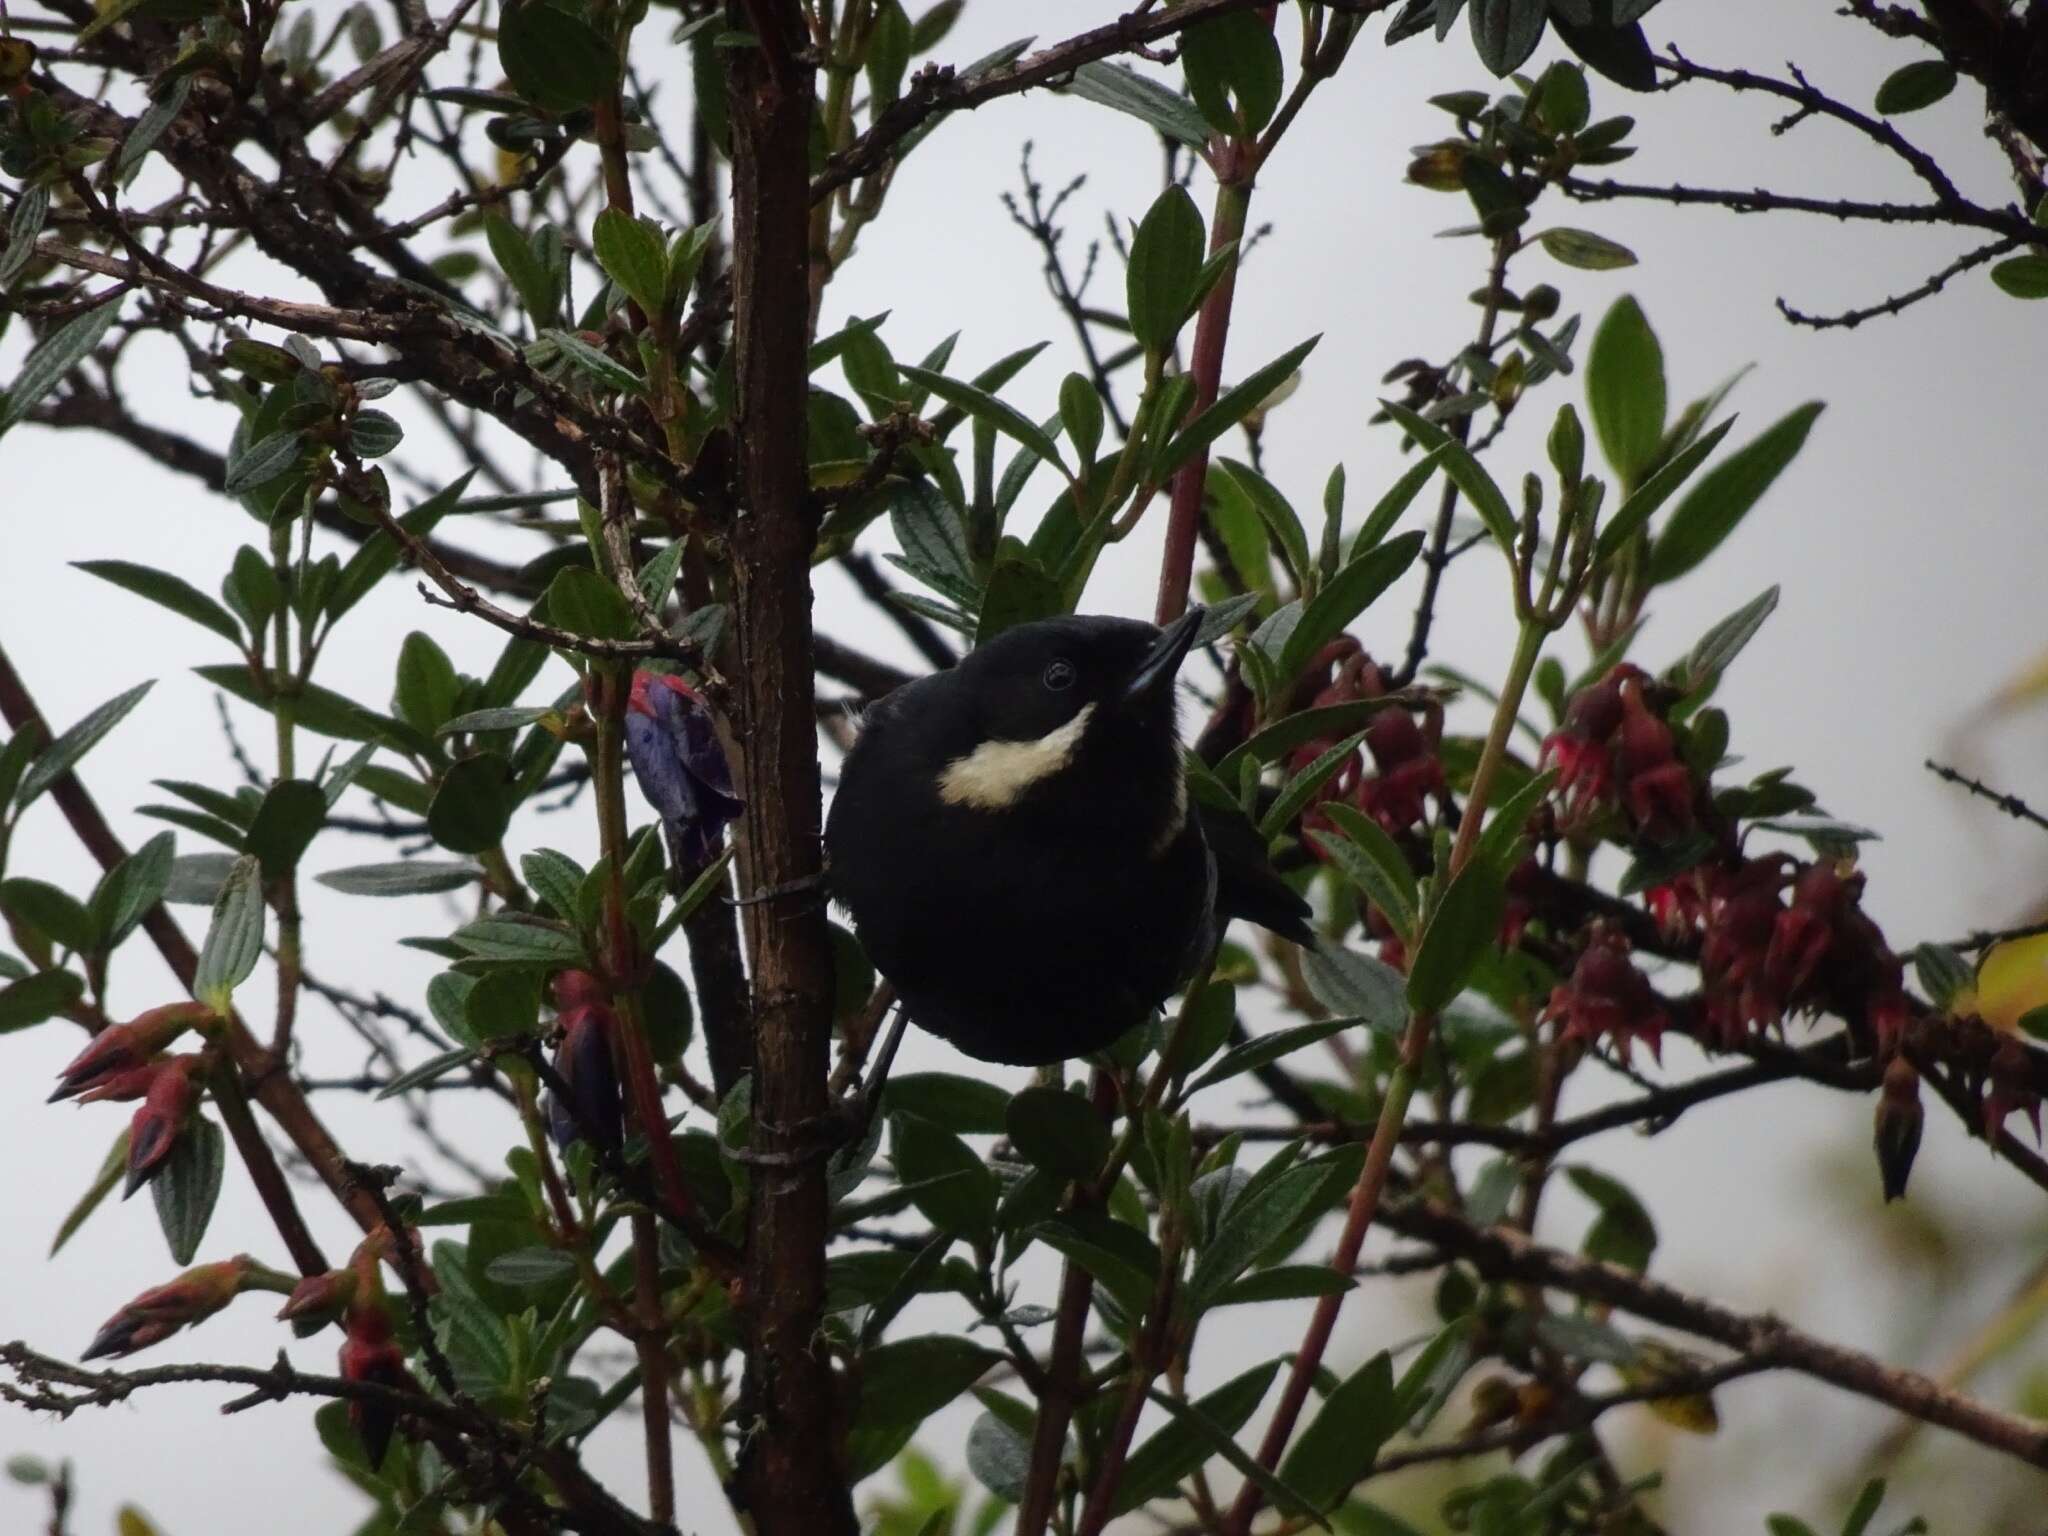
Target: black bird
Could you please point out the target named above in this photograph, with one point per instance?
(1014, 841)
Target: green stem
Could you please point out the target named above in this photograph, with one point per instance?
(1386, 1136)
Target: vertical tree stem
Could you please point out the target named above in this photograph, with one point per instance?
(789, 1476)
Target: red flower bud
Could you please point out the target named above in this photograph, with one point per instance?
(591, 1106)
(1897, 1137)
(2012, 1088)
(121, 1048)
(161, 1311)
(167, 1109)
(318, 1300)
(369, 1355)
(1657, 787)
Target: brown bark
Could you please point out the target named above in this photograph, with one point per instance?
(790, 1476)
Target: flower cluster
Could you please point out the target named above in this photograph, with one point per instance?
(1614, 748)
(1407, 771)
(1607, 997)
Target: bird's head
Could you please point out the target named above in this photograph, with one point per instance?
(1069, 709)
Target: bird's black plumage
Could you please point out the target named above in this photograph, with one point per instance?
(1014, 841)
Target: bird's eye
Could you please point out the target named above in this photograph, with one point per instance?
(1059, 676)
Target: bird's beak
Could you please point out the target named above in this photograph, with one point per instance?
(1154, 678)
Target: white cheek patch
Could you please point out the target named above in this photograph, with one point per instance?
(997, 773)
(1176, 816)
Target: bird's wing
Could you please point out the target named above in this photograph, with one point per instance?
(1247, 885)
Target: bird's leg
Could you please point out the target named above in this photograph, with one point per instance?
(859, 1106)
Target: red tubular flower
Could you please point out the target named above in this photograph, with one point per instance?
(161, 1311)
(1581, 746)
(167, 1109)
(1680, 906)
(585, 1064)
(1899, 1118)
(1656, 787)
(1741, 915)
(1805, 931)
(121, 1048)
(681, 767)
(369, 1355)
(1409, 772)
(1605, 995)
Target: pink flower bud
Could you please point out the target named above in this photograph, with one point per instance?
(1899, 1119)
(121, 1048)
(158, 1313)
(167, 1108)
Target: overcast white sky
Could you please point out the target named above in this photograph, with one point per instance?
(1908, 539)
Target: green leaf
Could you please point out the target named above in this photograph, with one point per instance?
(954, 1189)
(54, 357)
(1289, 732)
(111, 1168)
(555, 59)
(36, 998)
(407, 877)
(999, 1456)
(1234, 72)
(1625, 389)
(1505, 32)
(1344, 597)
(1467, 472)
(1458, 933)
(902, 1384)
(1497, 844)
(584, 603)
(1018, 592)
(1865, 1509)
(1342, 1441)
(428, 687)
(169, 591)
(1941, 972)
(427, 1071)
(1385, 875)
(531, 1269)
(372, 434)
(188, 1187)
(634, 255)
(1633, 515)
(1159, 278)
(1914, 86)
(1283, 1282)
(1583, 249)
(1354, 985)
(555, 878)
(1122, 1260)
(317, 709)
(1177, 1450)
(1231, 407)
(1623, 1234)
(258, 463)
(197, 878)
(1713, 508)
(1388, 509)
(131, 888)
(1280, 519)
(595, 363)
(983, 406)
(473, 804)
(1579, 1337)
(48, 911)
(1222, 1442)
(1249, 1227)
(2024, 277)
(1156, 106)
(929, 530)
(1724, 642)
(234, 937)
(1059, 1132)
(1487, 1200)
(521, 940)
(1271, 1046)
(533, 279)
(966, 1106)
(61, 755)
(1787, 1525)
(1294, 798)
(290, 816)
(477, 722)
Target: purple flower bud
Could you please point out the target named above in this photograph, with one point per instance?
(591, 1107)
(681, 767)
